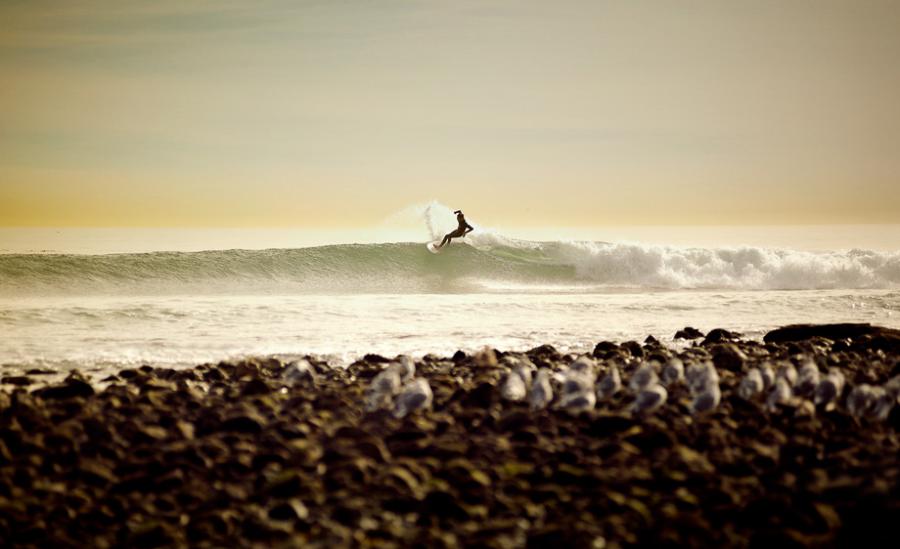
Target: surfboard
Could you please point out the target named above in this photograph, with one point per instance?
(433, 247)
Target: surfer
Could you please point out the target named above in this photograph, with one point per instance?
(463, 229)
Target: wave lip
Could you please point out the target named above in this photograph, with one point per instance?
(481, 263)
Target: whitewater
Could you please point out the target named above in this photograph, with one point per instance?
(97, 311)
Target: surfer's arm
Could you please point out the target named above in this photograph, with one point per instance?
(469, 228)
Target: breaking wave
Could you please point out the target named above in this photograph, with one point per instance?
(482, 262)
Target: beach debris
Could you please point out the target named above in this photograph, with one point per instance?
(807, 379)
(673, 372)
(577, 392)
(829, 388)
(610, 384)
(298, 371)
(751, 385)
(649, 399)
(541, 392)
(414, 395)
(780, 394)
(643, 377)
(383, 388)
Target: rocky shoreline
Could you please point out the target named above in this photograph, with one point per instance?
(263, 453)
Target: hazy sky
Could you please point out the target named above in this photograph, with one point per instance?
(335, 113)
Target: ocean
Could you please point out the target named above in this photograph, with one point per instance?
(102, 299)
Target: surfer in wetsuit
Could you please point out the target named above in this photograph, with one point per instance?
(463, 229)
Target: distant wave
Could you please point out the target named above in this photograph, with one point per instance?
(486, 262)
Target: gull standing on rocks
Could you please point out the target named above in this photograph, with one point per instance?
(644, 376)
(788, 373)
(829, 388)
(649, 399)
(700, 376)
(577, 392)
(406, 367)
(884, 403)
(861, 400)
(541, 391)
(673, 372)
(414, 395)
(515, 385)
(768, 375)
(807, 379)
(751, 385)
(781, 393)
(707, 398)
(381, 391)
(298, 371)
(610, 384)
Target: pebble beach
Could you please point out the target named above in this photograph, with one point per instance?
(627, 449)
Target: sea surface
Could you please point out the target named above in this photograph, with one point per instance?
(70, 303)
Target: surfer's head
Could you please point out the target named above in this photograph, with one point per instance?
(457, 212)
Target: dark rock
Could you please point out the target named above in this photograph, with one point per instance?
(688, 333)
(728, 356)
(603, 348)
(634, 348)
(719, 335)
(834, 332)
(19, 381)
(71, 388)
(650, 340)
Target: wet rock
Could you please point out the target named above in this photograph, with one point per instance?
(834, 332)
(728, 356)
(71, 388)
(688, 333)
(19, 381)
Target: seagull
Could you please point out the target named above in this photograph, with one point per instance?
(406, 367)
(787, 372)
(807, 379)
(768, 375)
(515, 385)
(861, 400)
(673, 372)
(707, 398)
(781, 393)
(577, 392)
(643, 377)
(541, 392)
(700, 375)
(381, 391)
(414, 395)
(884, 403)
(584, 365)
(751, 385)
(298, 371)
(649, 399)
(610, 384)
(829, 388)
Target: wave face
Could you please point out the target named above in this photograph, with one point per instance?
(485, 263)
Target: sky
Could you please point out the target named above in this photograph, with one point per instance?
(526, 114)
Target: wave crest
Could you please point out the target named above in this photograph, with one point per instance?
(483, 262)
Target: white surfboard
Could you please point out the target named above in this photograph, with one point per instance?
(433, 247)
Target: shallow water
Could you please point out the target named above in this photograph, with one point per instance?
(101, 332)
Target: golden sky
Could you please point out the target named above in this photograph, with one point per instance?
(336, 114)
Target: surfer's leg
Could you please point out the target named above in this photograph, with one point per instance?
(446, 240)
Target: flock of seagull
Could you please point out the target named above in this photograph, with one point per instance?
(585, 382)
